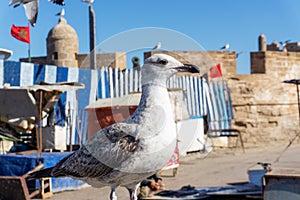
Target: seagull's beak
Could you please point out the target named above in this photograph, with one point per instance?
(188, 68)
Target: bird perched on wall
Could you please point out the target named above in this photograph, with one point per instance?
(157, 46)
(283, 44)
(59, 2)
(31, 8)
(61, 13)
(225, 47)
(88, 1)
(125, 153)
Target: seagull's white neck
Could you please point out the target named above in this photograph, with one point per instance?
(152, 94)
(154, 104)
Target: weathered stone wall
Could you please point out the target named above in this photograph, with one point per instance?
(114, 60)
(265, 109)
(42, 60)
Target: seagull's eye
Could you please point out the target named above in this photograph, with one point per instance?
(163, 62)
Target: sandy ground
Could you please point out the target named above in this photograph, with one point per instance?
(221, 166)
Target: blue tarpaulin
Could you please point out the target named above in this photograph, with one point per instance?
(18, 165)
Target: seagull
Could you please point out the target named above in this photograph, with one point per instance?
(226, 47)
(61, 13)
(16, 3)
(283, 43)
(127, 152)
(59, 2)
(157, 47)
(31, 8)
(88, 1)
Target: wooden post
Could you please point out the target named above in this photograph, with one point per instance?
(298, 98)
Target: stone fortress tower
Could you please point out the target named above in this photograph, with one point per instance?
(62, 45)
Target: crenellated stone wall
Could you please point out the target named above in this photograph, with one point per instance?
(265, 109)
(114, 60)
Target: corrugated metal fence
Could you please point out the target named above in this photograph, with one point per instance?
(201, 98)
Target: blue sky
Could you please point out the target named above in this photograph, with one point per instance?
(210, 23)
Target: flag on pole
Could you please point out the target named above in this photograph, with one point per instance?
(215, 71)
(21, 33)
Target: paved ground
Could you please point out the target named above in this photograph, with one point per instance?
(218, 168)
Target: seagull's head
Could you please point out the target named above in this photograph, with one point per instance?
(159, 67)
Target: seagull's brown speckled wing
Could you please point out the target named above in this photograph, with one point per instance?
(101, 154)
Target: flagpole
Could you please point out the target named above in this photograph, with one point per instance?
(29, 57)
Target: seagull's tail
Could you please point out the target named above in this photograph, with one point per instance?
(41, 174)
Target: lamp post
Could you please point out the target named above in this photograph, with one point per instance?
(297, 83)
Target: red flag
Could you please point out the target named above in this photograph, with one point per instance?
(21, 33)
(215, 71)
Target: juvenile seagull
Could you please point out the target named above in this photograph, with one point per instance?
(125, 153)
(31, 8)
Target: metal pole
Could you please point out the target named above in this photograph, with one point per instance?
(92, 37)
(298, 96)
(297, 82)
(29, 56)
